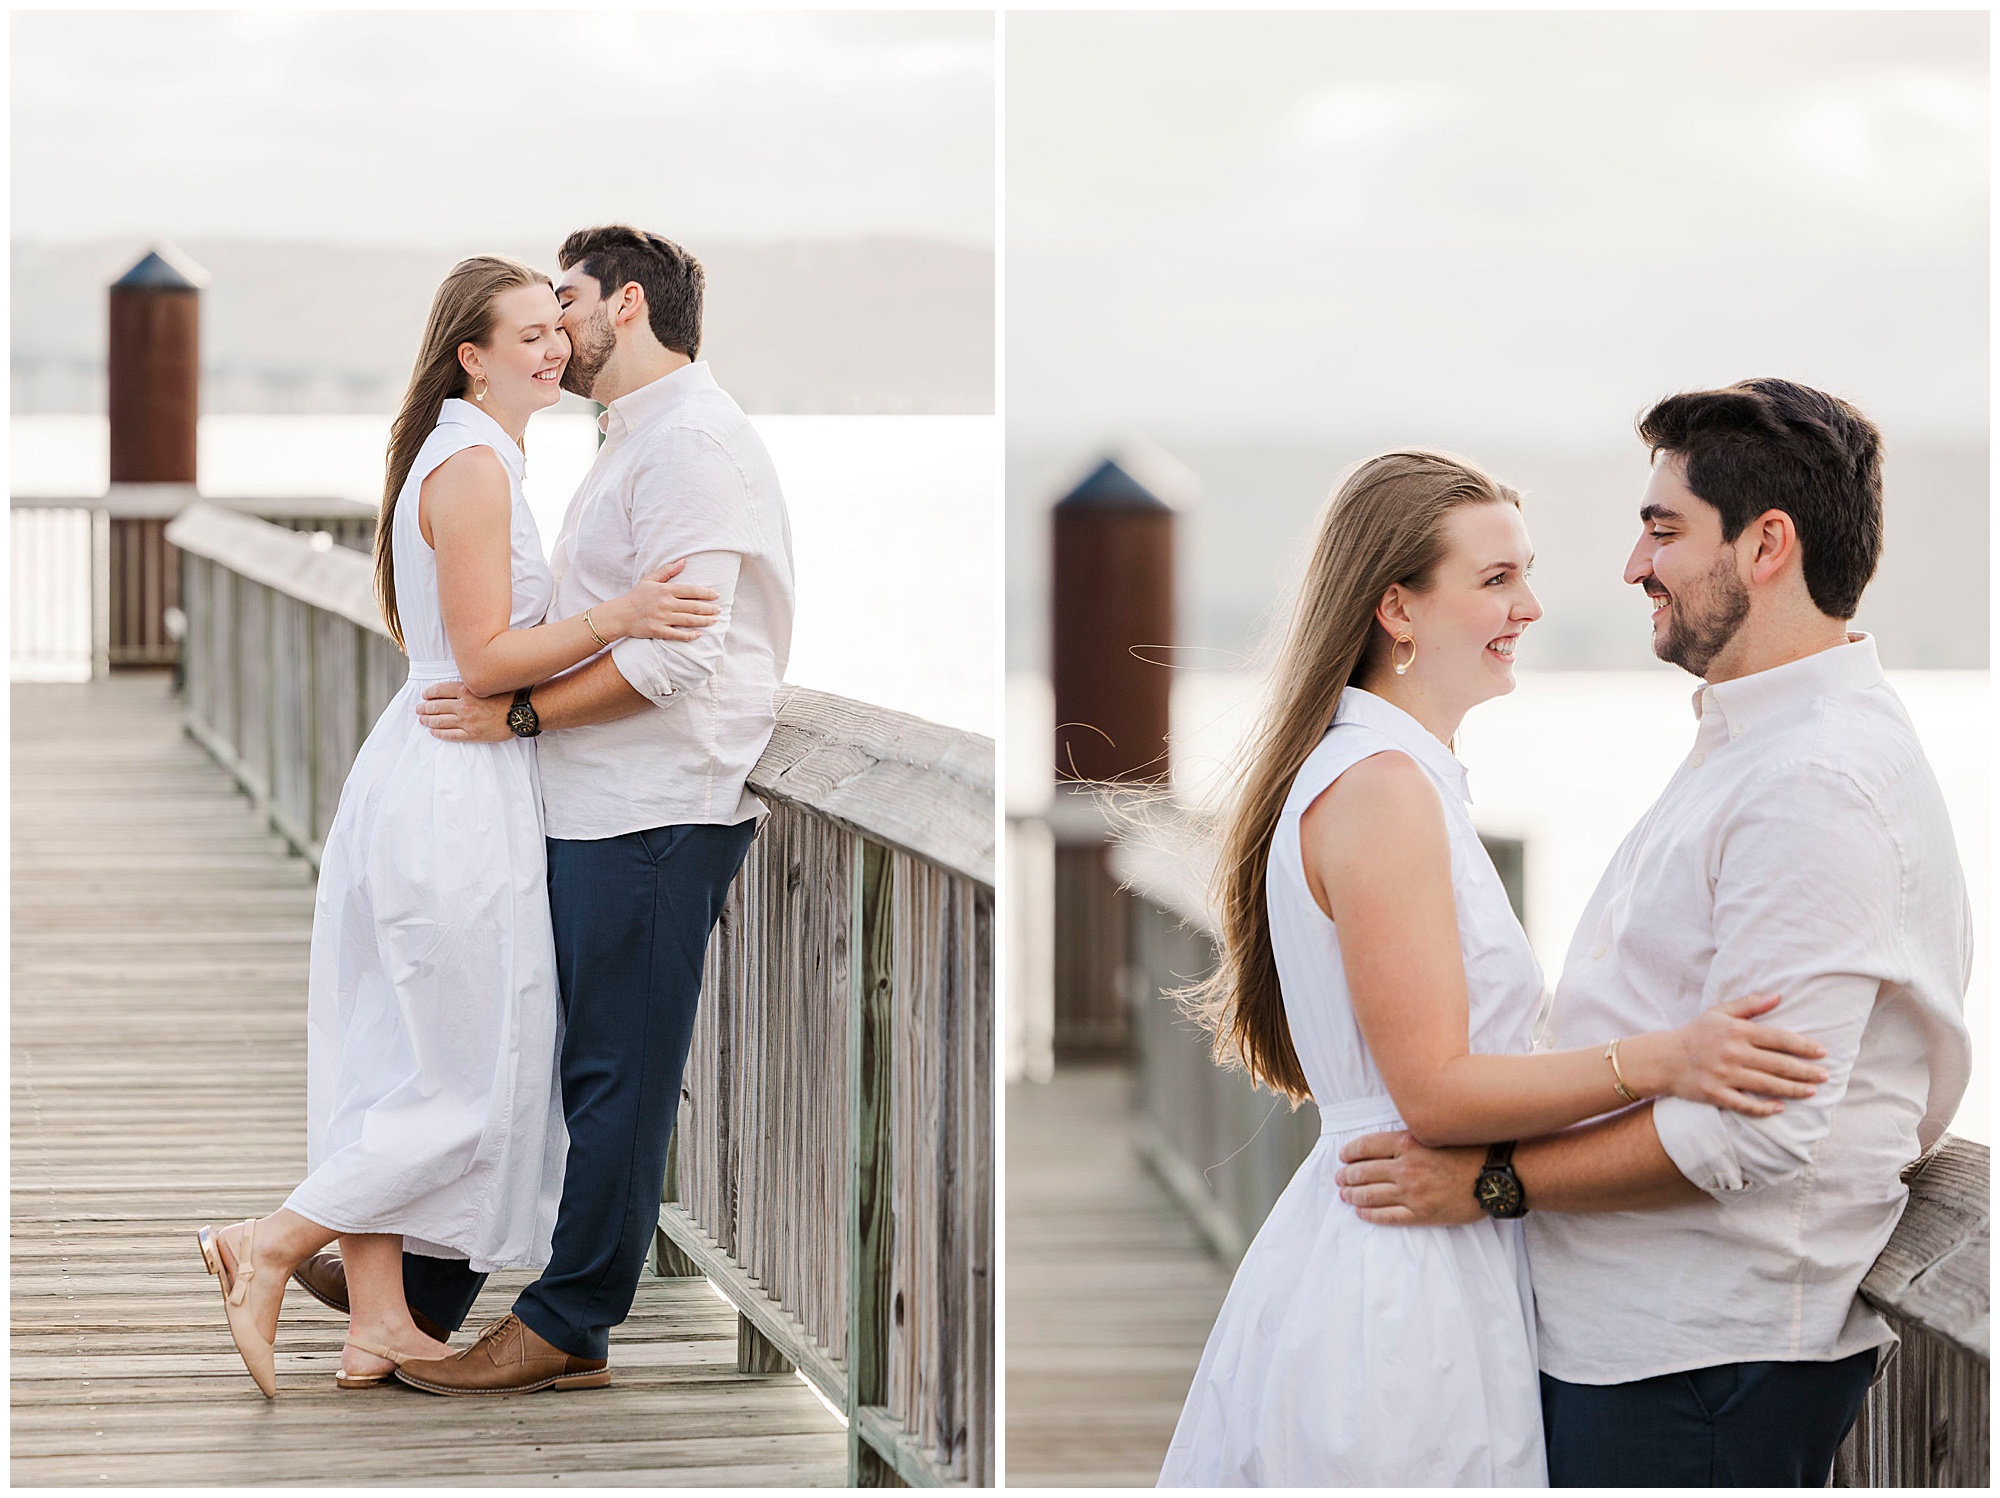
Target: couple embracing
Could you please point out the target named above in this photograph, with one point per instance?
(1636, 1261)
(536, 838)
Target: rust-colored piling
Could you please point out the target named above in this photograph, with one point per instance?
(154, 369)
(1113, 626)
(1112, 630)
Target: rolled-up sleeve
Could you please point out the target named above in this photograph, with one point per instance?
(689, 502)
(1809, 891)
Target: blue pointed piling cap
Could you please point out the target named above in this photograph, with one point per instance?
(164, 268)
(1138, 476)
(1110, 487)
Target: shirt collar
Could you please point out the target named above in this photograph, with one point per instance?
(464, 413)
(1780, 693)
(636, 408)
(1378, 713)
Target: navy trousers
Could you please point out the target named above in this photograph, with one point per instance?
(1731, 1426)
(632, 918)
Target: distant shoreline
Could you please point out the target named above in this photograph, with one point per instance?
(862, 326)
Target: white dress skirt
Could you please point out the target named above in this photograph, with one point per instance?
(433, 1025)
(1346, 1354)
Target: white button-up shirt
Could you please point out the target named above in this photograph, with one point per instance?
(681, 474)
(1802, 848)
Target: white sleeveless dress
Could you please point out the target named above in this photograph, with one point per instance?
(432, 1019)
(1346, 1354)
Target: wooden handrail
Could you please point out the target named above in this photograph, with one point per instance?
(904, 781)
(1935, 1270)
(335, 580)
(914, 785)
(165, 501)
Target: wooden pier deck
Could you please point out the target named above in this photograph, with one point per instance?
(160, 933)
(1110, 1291)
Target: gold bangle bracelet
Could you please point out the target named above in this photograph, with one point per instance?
(602, 642)
(1617, 1076)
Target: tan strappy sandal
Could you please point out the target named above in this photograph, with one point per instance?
(342, 1379)
(259, 1356)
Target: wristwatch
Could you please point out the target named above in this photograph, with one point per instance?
(1498, 1190)
(521, 719)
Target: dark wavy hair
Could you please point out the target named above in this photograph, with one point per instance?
(671, 278)
(1772, 445)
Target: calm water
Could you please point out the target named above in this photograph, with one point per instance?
(894, 527)
(1568, 762)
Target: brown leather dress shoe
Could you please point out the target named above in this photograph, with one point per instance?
(508, 1358)
(324, 1277)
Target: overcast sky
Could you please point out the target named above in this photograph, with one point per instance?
(384, 127)
(1523, 223)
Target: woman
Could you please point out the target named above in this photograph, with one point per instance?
(433, 1116)
(1370, 961)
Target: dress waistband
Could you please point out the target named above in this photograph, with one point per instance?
(433, 670)
(1358, 1113)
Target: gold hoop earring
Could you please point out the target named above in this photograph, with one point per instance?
(1403, 667)
(479, 387)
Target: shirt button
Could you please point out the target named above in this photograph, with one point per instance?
(1696, 761)
(1736, 733)
(1596, 952)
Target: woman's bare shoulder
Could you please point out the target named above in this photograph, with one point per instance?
(474, 472)
(1383, 807)
(468, 492)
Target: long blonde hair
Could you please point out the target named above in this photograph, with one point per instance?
(1384, 526)
(461, 312)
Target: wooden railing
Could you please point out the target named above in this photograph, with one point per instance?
(286, 663)
(833, 1164)
(1226, 1150)
(831, 1171)
(95, 583)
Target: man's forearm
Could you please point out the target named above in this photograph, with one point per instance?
(1614, 1164)
(594, 693)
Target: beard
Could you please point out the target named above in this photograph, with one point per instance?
(590, 346)
(1703, 618)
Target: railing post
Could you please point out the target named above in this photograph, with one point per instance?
(757, 1353)
(976, 1208)
(870, 1186)
(309, 715)
(669, 1263)
(100, 594)
(256, 669)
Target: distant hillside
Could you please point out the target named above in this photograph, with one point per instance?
(1241, 547)
(892, 325)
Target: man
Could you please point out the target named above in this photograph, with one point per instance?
(1696, 1271)
(644, 756)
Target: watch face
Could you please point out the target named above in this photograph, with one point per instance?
(521, 719)
(1499, 1193)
